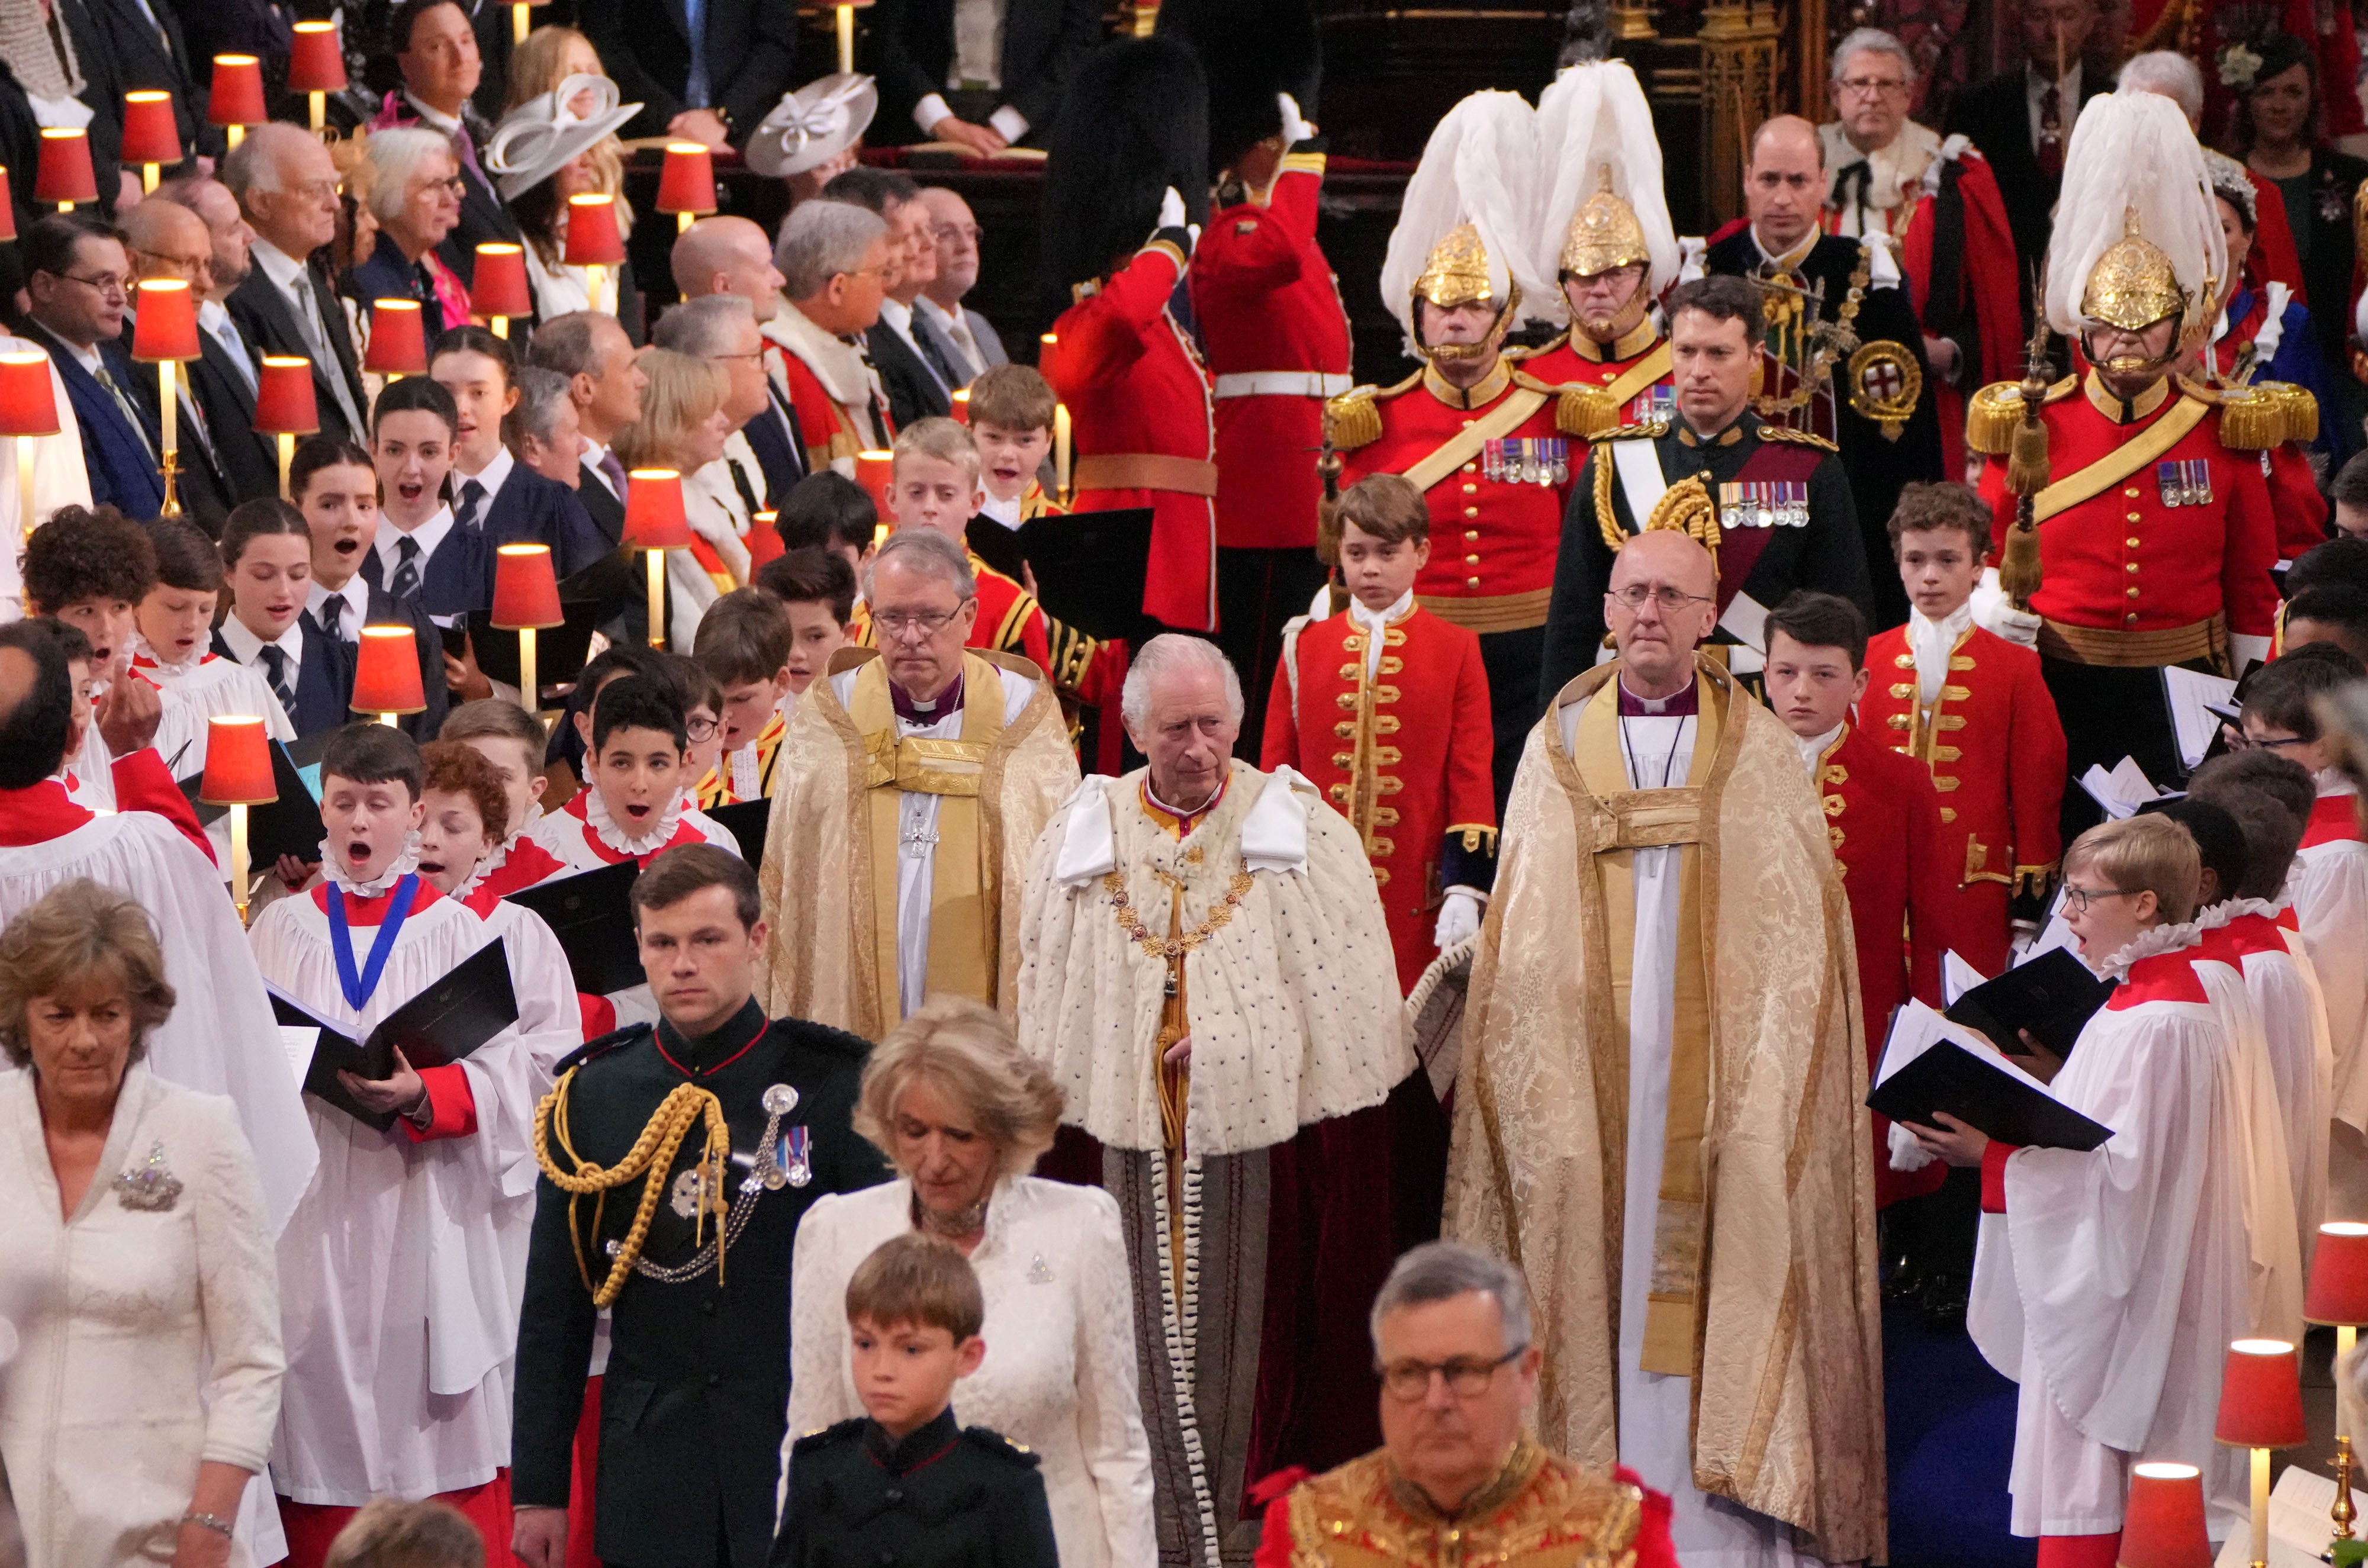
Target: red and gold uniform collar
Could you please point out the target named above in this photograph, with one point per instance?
(1178, 824)
(1489, 388)
(2149, 401)
(1619, 350)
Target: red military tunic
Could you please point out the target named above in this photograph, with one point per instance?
(1402, 752)
(2116, 558)
(1884, 819)
(1996, 753)
(1605, 386)
(1278, 340)
(1139, 400)
(1493, 537)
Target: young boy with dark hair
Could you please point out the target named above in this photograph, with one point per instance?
(829, 511)
(905, 1483)
(418, 1225)
(818, 593)
(743, 645)
(1385, 708)
(2327, 612)
(1012, 412)
(635, 802)
(1970, 707)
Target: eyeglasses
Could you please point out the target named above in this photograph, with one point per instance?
(928, 623)
(456, 186)
(1871, 86)
(114, 286)
(2280, 743)
(754, 353)
(314, 191)
(2077, 900)
(191, 262)
(700, 730)
(1466, 1375)
(1671, 600)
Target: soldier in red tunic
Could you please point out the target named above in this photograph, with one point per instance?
(1476, 433)
(1125, 190)
(1270, 315)
(1617, 251)
(1972, 707)
(1385, 708)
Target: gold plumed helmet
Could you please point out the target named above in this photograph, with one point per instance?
(1457, 271)
(2134, 284)
(1603, 234)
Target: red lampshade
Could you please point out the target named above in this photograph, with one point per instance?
(687, 183)
(7, 207)
(283, 397)
(28, 404)
(499, 287)
(592, 237)
(654, 516)
(398, 339)
(151, 134)
(386, 675)
(318, 64)
(237, 96)
(2164, 1525)
(166, 327)
(526, 592)
(2261, 1396)
(962, 405)
(2339, 1275)
(764, 541)
(65, 173)
(238, 763)
(876, 472)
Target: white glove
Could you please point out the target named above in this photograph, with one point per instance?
(1295, 128)
(1993, 612)
(1171, 210)
(1908, 1150)
(1458, 918)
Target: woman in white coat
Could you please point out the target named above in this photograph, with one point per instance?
(962, 1114)
(136, 1265)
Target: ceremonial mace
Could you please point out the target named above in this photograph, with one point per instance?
(2026, 473)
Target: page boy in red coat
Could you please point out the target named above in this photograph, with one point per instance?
(1385, 708)
(1973, 707)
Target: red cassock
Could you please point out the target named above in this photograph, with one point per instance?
(1989, 287)
(2122, 560)
(1633, 373)
(1995, 751)
(1417, 732)
(1139, 403)
(1278, 342)
(1884, 818)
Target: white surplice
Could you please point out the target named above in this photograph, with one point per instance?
(220, 1037)
(1656, 1409)
(2285, 992)
(2110, 1287)
(2272, 1234)
(200, 690)
(395, 1286)
(2330, 883)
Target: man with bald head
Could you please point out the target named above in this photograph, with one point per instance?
(1658, 1096)
(1876, 398)
(287, 186)
(223, 461)
(731, 255)
(955, 230)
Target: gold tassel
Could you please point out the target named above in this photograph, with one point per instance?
(1352, 420)
(2252, 419)
(2019, 566)
(1991, 416)
(2026, 463)
(1585, 412)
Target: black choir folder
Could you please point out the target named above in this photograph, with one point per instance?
(745, 821)
(591, 913)
(1928, 1067)
(2053, 995)
(444, 1023)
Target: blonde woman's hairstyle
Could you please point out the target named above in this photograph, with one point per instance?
(944, 440)
(393, 1532)
(2144, 853)
(966, 1052)
(78, 933)
(683, 391)
(919, 1281)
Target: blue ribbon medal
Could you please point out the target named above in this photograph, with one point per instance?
(358, 987)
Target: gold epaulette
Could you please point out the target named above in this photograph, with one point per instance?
(2260, 416)
(1996, 409)
(1798, 437)
(1585, 412)
(1650, 430)
(1352, 420)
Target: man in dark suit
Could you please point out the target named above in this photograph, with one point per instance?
(970, 340)
(76, 278)
(147, 49)
(435, 48)
(605, 385)
(916, 373)
(723, 255)
(223, 462)
(937, 85)
(712, 86)
(2022, 119)
(288, 189)
(224, 381)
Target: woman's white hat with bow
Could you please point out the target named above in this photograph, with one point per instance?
(544, 134)
(813, 125)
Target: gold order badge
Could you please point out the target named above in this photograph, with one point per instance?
(1885, 384)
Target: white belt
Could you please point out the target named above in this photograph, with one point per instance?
(1284, 384)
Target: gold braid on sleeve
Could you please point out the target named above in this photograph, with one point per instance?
(1605, 519)
(650, 1157)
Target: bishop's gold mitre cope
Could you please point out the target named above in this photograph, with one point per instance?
(1457, 271)
(1603, 234)
(2134, 285)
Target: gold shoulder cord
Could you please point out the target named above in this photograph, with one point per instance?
(652, 1155)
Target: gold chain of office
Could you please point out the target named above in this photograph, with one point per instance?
(1174, 948)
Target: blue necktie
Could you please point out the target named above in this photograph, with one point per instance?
(694, 21)
(274, 671)
(405, 580)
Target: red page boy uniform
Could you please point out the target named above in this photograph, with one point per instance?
(1970, 707)
(1387, 713)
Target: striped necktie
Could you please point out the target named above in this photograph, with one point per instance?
(405, 580)
(274, 671)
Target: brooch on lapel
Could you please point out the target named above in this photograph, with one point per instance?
(1039, 1271)
(149, 1186)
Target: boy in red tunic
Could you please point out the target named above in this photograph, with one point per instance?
(1011, 414)
(1972, 707)
(744, 642)
(1385, 708)
(935, 484)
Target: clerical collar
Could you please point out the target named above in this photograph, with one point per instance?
(933, 711)
(1688, 436)
(1625, 346)
(696, 1054)
(1490, 386)
(1677, 706)
(2121, 413)
(902, 1456)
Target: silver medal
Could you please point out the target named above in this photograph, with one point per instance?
(781, 1099)
(800, 1176)
(685, 1201)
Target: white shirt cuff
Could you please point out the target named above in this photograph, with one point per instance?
(1009, 123)
(928, 111)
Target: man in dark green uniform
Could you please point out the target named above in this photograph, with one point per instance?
(1772, 505)
(676, 1163)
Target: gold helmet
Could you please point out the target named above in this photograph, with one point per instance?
(1604, 233)
(2134, 284)
(1456, 273)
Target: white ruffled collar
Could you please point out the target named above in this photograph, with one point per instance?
(2229, 909)
(609, 831)
(484, 867)
(397, 869)
(2150, 944)
(163, 666)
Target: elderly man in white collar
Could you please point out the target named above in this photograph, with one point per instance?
(287, 186)
(1206, 970)
(835, 264)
